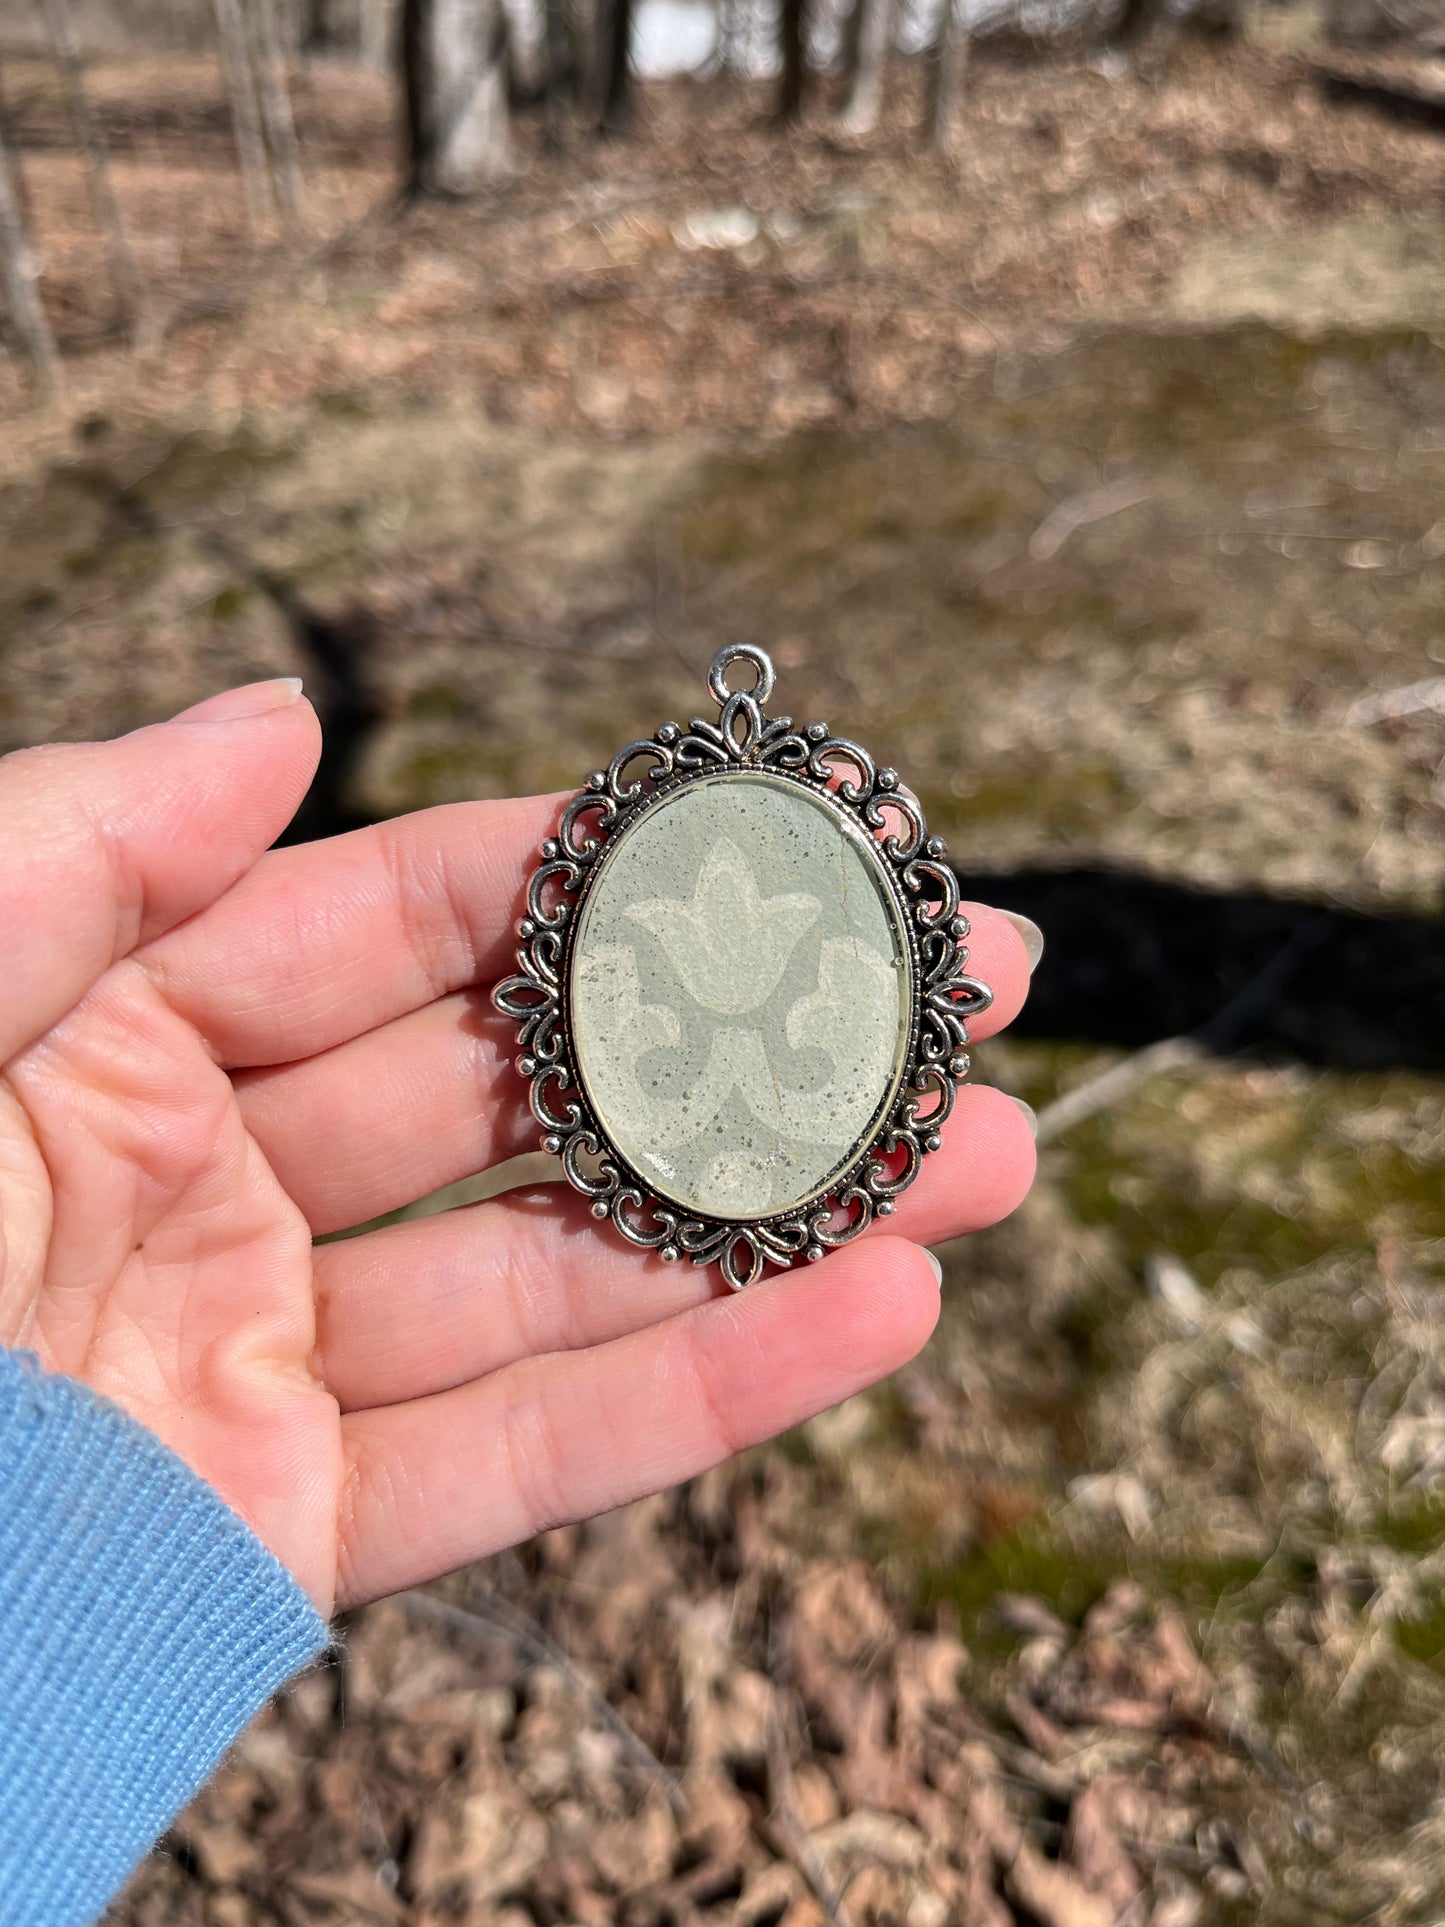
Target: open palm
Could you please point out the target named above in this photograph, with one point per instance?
(211, 1051)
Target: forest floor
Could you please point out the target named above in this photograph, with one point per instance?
(1093, 482)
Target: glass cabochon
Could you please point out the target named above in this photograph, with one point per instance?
(741, 995)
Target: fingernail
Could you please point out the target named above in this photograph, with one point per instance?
(1031, 1116)
(1032, 935)
(937, 1267)
(251, 699)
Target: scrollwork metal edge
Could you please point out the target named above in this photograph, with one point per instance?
(944, 998)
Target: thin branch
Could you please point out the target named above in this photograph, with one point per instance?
(787, 1826)
(790, 1830)
(480, 1627)
(1220, 1034)
(1079, 512)
(1388, 705)
(1110, 1087)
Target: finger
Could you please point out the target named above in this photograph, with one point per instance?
(428, 903)
(381, 1121)
(420, 1307)
(995, 953)
(103, 845)
(326, 941)
(431, 1097)
(441, 1481)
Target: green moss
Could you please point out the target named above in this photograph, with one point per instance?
(203, 468)
(1056, 605)
(1090, 1322)
(345, 404)
(436, 702)
(1423, 1640)
(1027, 1561)
(123, 559)
(1266, 1180)
(1416, 1524)
(1037, 1562)
(1242, 1587)
(456, 772)
(1060, 796)
(1209, 1234)
(229, 603)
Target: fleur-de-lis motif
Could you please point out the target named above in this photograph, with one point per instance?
(730, 945)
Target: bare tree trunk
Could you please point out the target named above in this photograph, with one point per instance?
(615, 66)
(1135, 19)
(850, 42)
(1382, 23)
(269, 69)
(947, 70)
(874, 33)
(22, 275)
(560, 77)
(584, 33)
(454, 66)
(21, 186)
(729, 37)
(289, 27)
(105, 210)
(793, 47)
(373, 34)
(314, 33)
(245, 111)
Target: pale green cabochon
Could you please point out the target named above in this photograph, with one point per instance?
(741, 995)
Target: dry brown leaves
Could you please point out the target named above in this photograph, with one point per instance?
(577, 295)
(818, 1757)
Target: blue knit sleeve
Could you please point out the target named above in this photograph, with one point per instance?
(142, 1624)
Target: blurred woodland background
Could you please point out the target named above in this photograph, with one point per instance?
(1057, 388)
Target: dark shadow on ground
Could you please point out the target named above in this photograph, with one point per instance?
(1397, 101)
(1130, 959)
(335, 652)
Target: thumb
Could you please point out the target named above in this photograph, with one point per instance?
(103, 845)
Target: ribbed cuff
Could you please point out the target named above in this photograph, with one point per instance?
(142, 1625)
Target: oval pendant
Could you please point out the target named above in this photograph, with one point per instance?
(742, 999)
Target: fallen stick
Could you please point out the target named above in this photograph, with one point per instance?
(1389, 704)
(789, 1829)
(1219, 1035)
(1114, 1084)
(1080, 512)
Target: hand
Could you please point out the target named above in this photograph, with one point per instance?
(211, 1052)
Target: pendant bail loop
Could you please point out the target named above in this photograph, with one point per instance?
(731, 652)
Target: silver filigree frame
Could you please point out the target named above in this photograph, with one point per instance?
(925, 892)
